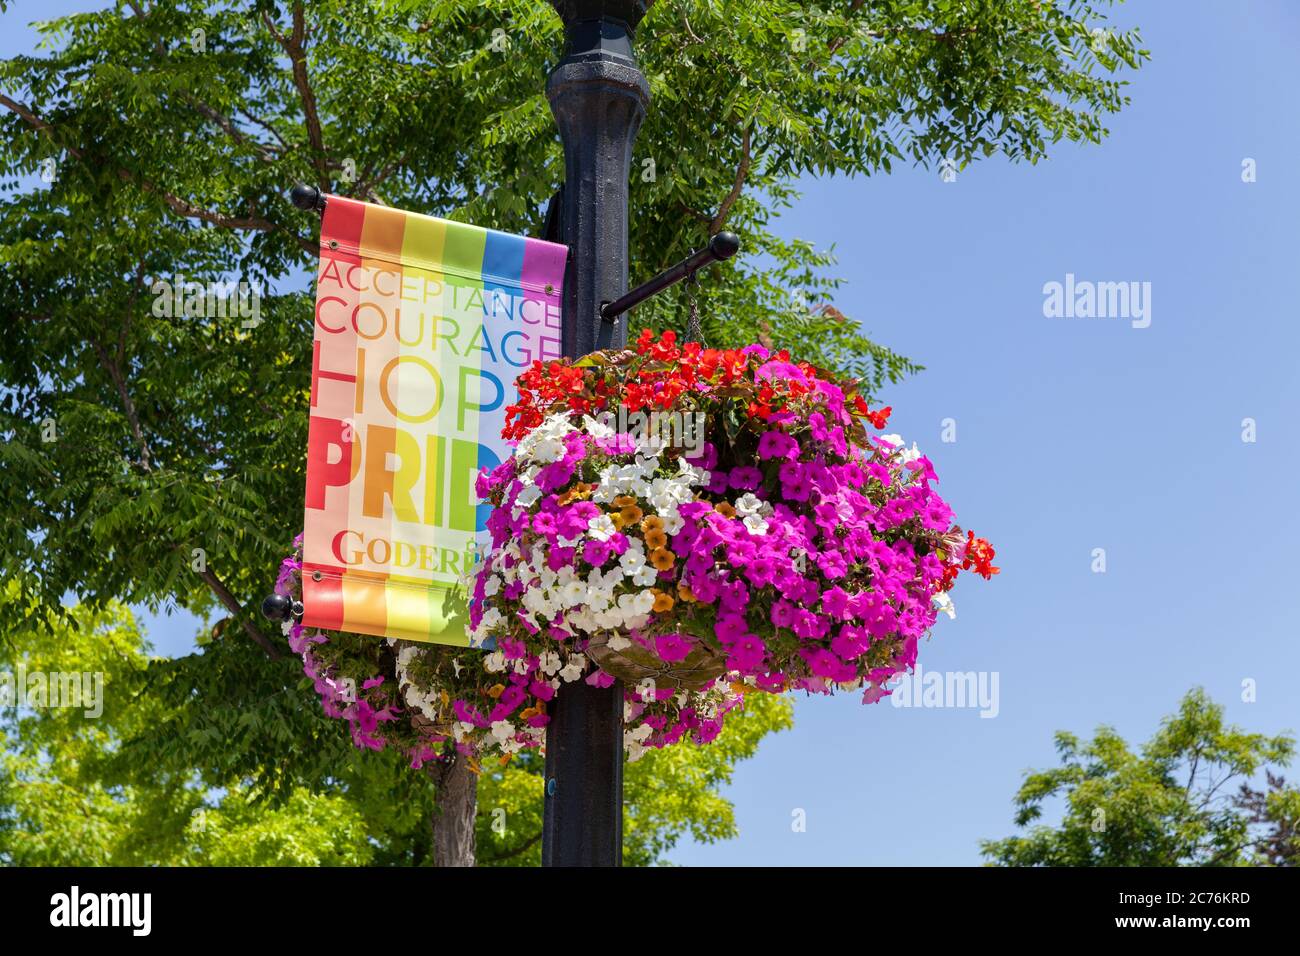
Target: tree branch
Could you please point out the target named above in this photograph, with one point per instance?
(236, 609)
(720, 218)
(181, 207)
(113, 365)
(293, 46)
(530, 842)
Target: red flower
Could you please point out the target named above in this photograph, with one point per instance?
(979, 556)
(879, 417)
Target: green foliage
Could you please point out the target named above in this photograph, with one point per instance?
(1275, 814)
(65, 801)
(1167, 805)
(59, 805)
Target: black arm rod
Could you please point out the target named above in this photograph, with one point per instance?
(722, 246)
(307, 197)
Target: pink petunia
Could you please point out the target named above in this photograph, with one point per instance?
(673, 647)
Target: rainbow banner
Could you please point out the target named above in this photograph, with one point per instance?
(421, 327)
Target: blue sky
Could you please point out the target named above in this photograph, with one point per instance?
(1075, 434)
(1071, 435)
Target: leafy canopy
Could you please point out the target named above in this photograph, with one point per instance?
(1168, 804)
(65, 800)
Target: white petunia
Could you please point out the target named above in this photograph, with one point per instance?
(943, 602)
(602, 527)
(573, 667)
(596, 428)
(574, 593)
(755, 524)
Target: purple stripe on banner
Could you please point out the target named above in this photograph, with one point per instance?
(543, 265)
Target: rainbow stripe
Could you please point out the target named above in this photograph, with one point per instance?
(421, 326)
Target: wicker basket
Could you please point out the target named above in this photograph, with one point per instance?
(430, 727)
(635, 663)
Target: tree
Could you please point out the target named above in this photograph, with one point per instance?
(59, 807)
(158, 459)
(1275, 813)
(63, 801)
(1167, 805)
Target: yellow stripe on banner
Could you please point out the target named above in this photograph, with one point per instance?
(420, 612)
(422, 244)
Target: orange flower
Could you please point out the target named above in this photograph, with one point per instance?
(619, 521)
(655, 540)
(663, 601)
(724, 508)
(578, 491)
(622, 501)
(496, 690)
(632, 514)
(652, 523)
(662, 558)
(684, 593)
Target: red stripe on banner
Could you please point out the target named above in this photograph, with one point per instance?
(322, 600)
(342, 224)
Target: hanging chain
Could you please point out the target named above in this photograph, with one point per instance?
(693, 333)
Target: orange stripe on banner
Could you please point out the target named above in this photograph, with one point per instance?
(381, 233)
(364, 605)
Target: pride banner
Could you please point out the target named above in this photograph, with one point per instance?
(421, 327)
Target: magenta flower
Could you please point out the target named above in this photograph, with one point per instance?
(673, 647)
(835, 602)
(775, 444)
(596, 553)
(747, 654)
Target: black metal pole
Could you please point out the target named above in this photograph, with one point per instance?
(598, 96)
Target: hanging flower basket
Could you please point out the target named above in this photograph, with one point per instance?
(685, 515)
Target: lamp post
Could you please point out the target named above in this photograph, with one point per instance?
(599, 97)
